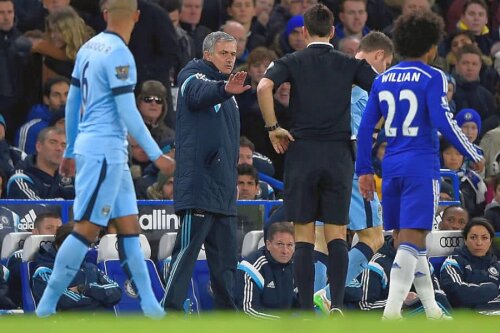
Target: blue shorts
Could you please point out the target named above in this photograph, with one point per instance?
(363, 214)
(103, 190)
(409, 202)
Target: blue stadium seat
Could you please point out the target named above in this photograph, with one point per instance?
(30, 248)
(108, 261)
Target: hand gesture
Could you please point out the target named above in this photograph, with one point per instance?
(165, 164)
(280, 138)
(367, 186)
(67, 167)
(236, 83)
(479, 166)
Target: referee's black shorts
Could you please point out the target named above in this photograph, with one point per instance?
(318, 181)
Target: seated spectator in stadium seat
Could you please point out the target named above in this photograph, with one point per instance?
(37, 177)
(470, 277)
(55, 93)
(5, 302)
(375, 281)
(470, 93)
(283, 12)
(190, 16)
(243, 12)
(349, 45)
(291, 39)
(353, 17)
(475, 19)
(470, 123)
(153, 106)
(45, 224)
(91, 289)
(263, 9)
(237, 30)
(264, 280)
(248, 182)
(472, 187)
(492, 211)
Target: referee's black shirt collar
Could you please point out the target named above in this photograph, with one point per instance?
(319, 44)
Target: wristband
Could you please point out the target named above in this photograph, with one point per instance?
(272, 128)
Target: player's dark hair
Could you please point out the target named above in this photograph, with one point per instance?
(274, 228)
(318, 20)
(375, 40)
(248, 170)
(415, 33)
(469, 49)
(245, 142)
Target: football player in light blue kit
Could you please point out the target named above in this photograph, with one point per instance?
(101, 109)
(411, 97)
(364, 216)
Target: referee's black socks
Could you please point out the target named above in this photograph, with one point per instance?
(338, 261)
(304, 273)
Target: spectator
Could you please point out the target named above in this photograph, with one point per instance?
(470, 123)
(35, 18)
(456, 41)
(243, 11)
(470, 93)
(9, 156)
(492, 211)
(265, 280)
(237, 30)
(139, 160)
(474, 19)
(349, 45)
(55, 93)
(45, 224)
(248, 155)
(37, 177)
(252, 125)
(248, 182)
(472, 187)
(263, 9)
(162, 189)
(184, 40)
(408, 6)
(283, 12)
(292, 38)
(90, 289)
(454, 218)
(490, 143)
(14, 61)
(66, 32)
(375, 281)
(470, 276)
(190, 16)
(153, 106)
(452, 86)
(353, 18)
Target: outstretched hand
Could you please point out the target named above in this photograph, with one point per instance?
(280, 138)
(236, 83)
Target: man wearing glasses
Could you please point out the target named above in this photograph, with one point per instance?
(265, 278)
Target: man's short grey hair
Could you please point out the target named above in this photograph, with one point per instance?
(215, 37)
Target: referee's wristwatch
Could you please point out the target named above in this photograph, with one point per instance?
(272, 128)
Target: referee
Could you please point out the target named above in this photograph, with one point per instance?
(319, 160)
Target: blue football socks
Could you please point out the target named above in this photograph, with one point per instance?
(132, 261)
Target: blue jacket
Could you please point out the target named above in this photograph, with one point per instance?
(470, 281)
(263, 285)
(5, 301)
(206, 141)
(375, 281)
(95, 289)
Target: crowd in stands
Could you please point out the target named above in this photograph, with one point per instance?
(39, 40)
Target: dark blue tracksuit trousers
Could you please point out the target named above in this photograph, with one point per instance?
(218, 233)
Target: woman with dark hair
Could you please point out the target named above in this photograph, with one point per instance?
(470, 277)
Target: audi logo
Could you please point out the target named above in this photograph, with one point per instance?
(450, 241)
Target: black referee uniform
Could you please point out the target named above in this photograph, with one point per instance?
(319, 164)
